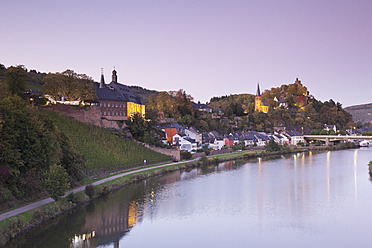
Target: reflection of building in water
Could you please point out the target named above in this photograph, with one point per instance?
(110, 220)
(109, 224)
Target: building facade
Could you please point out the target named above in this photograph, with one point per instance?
(116, 101)
(259, 104)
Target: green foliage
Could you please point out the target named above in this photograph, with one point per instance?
(72, 197)
(16, 79)
(16, 224)
(272, 146)
(142, 130)
(69, 84)
(90, 191)
(2, 69)
(238, 104)
(186, 155)
(172, 104)
(101, 148)
(29, 144)
(56, 181)
(238, 146)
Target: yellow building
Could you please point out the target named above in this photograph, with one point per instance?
(134, 103)
(259, 104)
(133, 108)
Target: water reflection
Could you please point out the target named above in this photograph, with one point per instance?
(266, 201)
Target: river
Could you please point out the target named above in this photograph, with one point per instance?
(303, 200)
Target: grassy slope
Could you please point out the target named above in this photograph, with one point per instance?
(102, 148)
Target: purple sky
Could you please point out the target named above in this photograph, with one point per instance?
(206, 47)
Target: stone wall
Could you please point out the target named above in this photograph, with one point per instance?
(175, 153)
(88, 114)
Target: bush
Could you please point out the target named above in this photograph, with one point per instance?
(90, 190)
(105, 190)
(186, 155)
(15, 225)
(72, 198)
(272, 146)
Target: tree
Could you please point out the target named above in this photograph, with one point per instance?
(70, 85)
(272, 146)
(16, 79)
(56, 181)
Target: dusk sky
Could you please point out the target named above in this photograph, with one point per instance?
(206, 47)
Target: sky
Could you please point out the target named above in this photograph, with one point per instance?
(206, 47)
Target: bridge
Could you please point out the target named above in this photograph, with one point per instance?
(332, 138)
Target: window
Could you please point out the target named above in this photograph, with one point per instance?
(104, 113)
(104, 104)
(116, 105)
(108, 105)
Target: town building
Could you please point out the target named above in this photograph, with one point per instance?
(260, 105)
(116, 101)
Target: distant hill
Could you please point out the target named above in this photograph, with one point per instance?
(361, 113)
(142, 92)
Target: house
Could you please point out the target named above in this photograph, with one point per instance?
(330, 127)
(262, 139)
(278, 139)
(294, 137)
(185, 143)
(193, 133)
(202, 107)
(282, 103)
(172, 129)
(218, 143)
(229, 141)
(249, 140)
(115, 100)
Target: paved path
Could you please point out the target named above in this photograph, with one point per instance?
(48, 200)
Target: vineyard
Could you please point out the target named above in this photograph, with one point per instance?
(103, 149)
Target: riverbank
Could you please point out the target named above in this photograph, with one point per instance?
(48, 210)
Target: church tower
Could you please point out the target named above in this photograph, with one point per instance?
(102, 83)
(114, 76)
(257, 99)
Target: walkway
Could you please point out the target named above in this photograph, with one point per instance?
(48, 200)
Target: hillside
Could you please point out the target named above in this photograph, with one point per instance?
(103, 149)
(361, 113)
(142, 92)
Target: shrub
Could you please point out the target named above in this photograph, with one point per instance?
(186, 155)
(15, 225)
(90, 191)
(72, 198)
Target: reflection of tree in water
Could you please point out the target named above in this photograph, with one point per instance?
(108, 220)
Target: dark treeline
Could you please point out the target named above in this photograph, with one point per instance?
(29, 144)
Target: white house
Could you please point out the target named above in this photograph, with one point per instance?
(218, 144)
(294, 137)
(192, 133)
(330, 127)
(185, 143)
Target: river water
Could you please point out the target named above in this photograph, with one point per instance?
(303, 200)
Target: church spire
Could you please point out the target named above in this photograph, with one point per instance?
(258, 90)
(102, 83)
(114, 76)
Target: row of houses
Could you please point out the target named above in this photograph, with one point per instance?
(191, 140)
